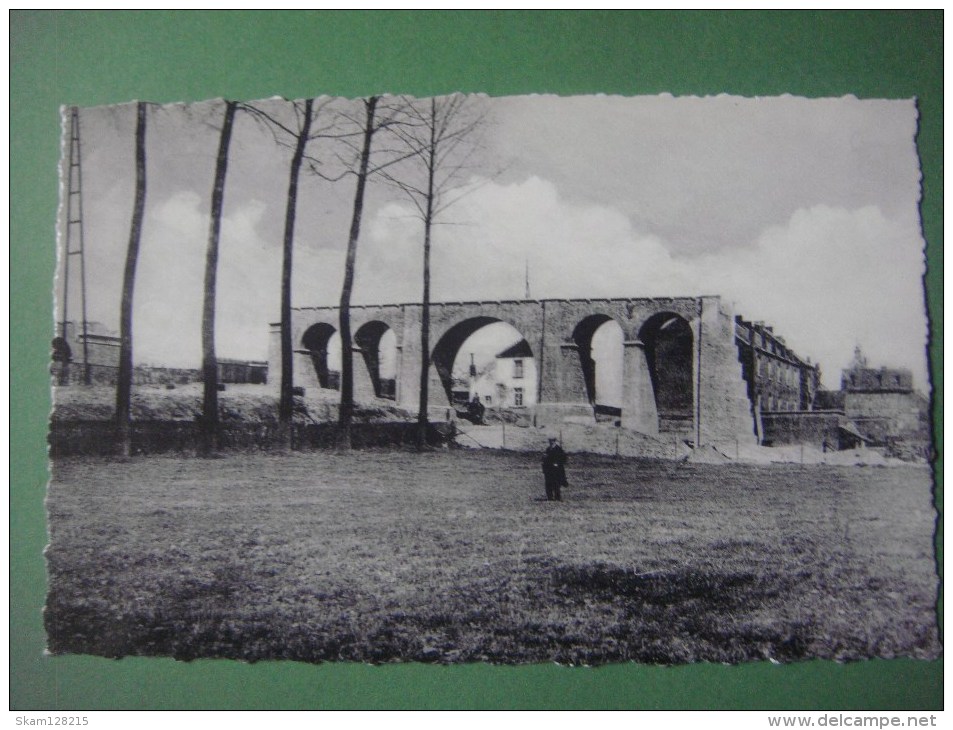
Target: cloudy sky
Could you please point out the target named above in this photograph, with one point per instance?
(803, 213)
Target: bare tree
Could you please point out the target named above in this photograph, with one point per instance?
(354, 136)
(346, 413)
(124, 382)
(377, 117)
(209, 362)
(441, 135)
(296, 135)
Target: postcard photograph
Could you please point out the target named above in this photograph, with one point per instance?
(583, 380)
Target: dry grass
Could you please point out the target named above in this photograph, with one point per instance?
(453, 556)
(238, 403)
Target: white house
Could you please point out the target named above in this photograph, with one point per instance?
(509, 381)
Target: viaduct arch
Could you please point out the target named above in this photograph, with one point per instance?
(680, 369)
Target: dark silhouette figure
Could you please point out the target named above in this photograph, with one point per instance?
(554, 470)
(475, 410)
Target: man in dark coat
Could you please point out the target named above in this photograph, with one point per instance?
(554, 469)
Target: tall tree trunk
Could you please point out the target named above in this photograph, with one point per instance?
(209, 442)
(124, 384)
(286, 400)
(346, 414)
(423, 420)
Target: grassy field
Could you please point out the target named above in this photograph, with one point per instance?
(454, 556)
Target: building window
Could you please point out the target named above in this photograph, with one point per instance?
(517, 396)
(517, 368)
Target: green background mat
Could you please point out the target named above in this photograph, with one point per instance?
(88, 58)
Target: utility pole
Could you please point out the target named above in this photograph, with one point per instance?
(73, 244)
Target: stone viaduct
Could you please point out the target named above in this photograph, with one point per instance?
(681, 372)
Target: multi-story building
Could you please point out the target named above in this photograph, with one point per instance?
(884, 404)
(876, 407)
(778, 379)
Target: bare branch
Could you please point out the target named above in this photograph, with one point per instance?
(414, 194)
(264, 116)
(389, 163)
(313, 169)
(463, 193)
(440, 134)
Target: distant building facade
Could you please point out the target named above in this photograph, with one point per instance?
(242, 371)
(778, 379)
(510, 380)
(875, 407)
(885, 407)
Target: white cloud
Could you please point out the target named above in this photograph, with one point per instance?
(249, 279)
(481, 248)
(170, 284)
(167, 298)
(830, 279)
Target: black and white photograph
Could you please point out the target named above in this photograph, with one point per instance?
(508, 380)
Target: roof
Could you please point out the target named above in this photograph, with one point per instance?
(850, 428)
(520, 349)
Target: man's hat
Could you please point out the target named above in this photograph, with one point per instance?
(553, 438)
